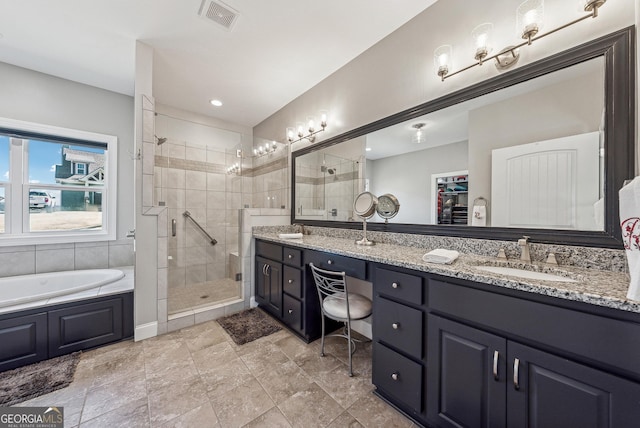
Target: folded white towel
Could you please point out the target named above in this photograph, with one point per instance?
(441, 256)
(290, 236)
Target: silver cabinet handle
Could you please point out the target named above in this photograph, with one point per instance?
(290, 256)
(174, 227)
(394, 376)
(264, 270)
(290, 311)
(395, 325)
(329, 262)
(267, 268)
(394, 285)
(496, 356)
(291, 281)
(516, 368)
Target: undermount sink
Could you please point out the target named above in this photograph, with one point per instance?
(524, 273)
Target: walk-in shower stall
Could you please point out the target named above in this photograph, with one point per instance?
(198, 178)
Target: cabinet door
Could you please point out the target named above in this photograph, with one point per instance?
(23, 340)
(548, 391)
(466, 376)
(269, 285)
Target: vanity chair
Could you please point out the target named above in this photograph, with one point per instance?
(338, 304)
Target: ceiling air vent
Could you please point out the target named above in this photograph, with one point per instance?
(219, 13)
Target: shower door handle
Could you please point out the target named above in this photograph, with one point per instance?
(174, 227)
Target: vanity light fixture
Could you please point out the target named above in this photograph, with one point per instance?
(308, 131)
(234, 169)
(265, 149)
(419, 136)
(529, 20)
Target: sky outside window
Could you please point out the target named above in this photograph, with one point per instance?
(4, 158)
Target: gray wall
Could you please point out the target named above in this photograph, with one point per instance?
(561, 110)
(389, 175)
(398, 73)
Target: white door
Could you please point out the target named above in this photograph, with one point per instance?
(547, 184)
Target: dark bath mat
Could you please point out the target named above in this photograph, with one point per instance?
(34, 380)
(249, 325)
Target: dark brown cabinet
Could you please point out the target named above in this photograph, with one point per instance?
(286, 290)
(399, 328)
(269, 285)
(37, 334)
(481, 374)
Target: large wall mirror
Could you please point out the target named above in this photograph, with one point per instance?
(539, 151)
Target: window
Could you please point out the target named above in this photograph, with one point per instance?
(81, 168)
(56, 184)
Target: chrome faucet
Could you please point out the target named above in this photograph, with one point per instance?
(525, 255)
(301, 226)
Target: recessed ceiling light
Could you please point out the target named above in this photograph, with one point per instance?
(216, 103)
(368, 149)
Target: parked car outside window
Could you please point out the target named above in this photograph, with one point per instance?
(41, 200)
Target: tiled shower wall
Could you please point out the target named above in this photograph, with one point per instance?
(192, 176)
(270, 179)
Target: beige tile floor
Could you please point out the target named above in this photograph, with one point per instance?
(200, 295)
(197, 377)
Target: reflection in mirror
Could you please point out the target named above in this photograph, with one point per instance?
(533, 153)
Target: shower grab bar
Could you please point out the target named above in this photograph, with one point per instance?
(211, 240)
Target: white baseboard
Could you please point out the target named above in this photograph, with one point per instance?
(363, 327)
(145, 331)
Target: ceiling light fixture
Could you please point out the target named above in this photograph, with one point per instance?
(216, 103)
(299, 130)
(529, 20)
(418, 137)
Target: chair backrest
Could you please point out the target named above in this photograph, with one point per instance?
(330, 283)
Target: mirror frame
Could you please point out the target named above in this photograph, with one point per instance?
(618, 50)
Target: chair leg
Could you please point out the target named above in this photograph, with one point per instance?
(348, 324)
(322, 340)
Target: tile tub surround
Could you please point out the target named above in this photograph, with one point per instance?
(30, 259)
(598, 287)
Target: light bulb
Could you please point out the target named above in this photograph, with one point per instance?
(311, 123)
(274, 145)
(323, 119)
(300, 130)
(255, 152)
(291, 134)
(530, 17)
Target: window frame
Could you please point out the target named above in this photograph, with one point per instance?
(17, 202)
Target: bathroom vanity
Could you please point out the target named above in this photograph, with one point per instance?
(455, 345)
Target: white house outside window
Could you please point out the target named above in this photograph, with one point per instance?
(56, 184)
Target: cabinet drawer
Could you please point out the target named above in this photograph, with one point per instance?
(292, 312)
(292, 257)
(566, 330)
(399, 326)
(398, 285)
(352, 267)
(292, 281)
(266, 249)
(397, 376)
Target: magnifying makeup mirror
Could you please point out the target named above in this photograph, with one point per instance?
(365, 207)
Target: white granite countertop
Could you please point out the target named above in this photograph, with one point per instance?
(597, 287)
